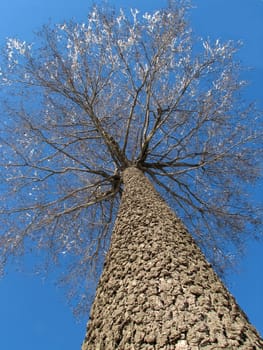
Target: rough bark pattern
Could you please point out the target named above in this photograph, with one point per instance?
(157, 290)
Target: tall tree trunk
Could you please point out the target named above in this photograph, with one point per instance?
(157, 290)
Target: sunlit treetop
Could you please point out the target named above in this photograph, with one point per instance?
(84, 101)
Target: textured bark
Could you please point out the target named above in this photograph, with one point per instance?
(157, 290)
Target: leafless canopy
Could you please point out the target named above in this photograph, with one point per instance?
(86, 100)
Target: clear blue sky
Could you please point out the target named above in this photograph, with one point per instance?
(33, 312)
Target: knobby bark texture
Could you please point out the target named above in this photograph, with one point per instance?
(157, 291)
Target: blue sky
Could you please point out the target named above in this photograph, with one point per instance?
(33, 312)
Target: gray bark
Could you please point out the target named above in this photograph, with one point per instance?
(157, 291)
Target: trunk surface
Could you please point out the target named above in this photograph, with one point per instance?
(157, 291)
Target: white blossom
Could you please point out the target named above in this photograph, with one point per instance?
(134, 13)
(15, 45)
(121, 17)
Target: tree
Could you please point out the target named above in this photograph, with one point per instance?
(130, 94)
